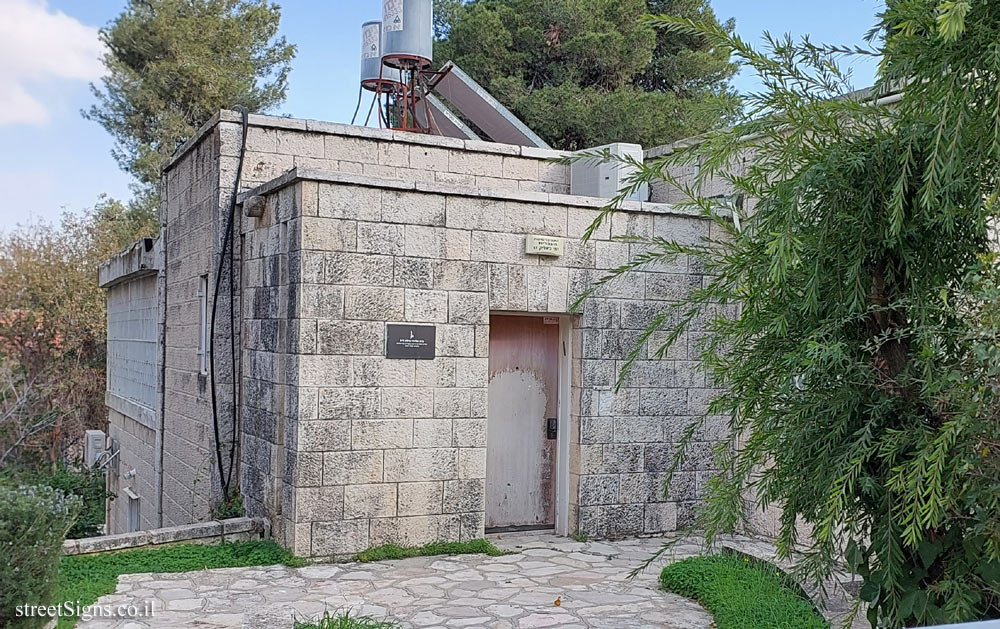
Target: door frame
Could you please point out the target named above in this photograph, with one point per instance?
(564, 415)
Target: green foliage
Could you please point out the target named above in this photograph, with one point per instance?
(172, 64)
(33, 525)
(741, 594)
(85, 578)
(232, 508)
(391, 551)
(854, 313)
(346, 621)
(88, 485)
(589, 72)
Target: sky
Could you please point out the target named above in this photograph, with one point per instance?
(53, 160)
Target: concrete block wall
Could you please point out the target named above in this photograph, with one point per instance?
(383, 451)
(138, 453)
(343, 449)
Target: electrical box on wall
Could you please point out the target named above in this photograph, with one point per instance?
(595, 177)
(94, 446)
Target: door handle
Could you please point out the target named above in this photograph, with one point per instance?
(551, 428)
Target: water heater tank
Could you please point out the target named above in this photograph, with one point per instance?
(408, 33)
(372, 71)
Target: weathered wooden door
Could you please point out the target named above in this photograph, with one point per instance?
(520, 433)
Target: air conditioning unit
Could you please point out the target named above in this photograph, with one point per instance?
(95, 443)
(595, 177)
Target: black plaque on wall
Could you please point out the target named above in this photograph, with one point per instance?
(410, 341)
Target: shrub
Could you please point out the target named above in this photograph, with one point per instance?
(741, 594)
(33, 525)
(77, 480)
(346, 621)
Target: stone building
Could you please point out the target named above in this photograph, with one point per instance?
(409, 366)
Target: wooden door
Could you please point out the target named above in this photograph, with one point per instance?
(523, 396)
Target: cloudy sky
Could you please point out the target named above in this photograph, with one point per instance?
(52, 160)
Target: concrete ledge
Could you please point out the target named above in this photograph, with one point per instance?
(142, 258)
(212, 532)
(296, 175)
(384, 135)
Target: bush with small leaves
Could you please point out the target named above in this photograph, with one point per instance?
(33, 525)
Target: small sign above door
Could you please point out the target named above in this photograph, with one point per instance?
(415, 342)
(544, 246)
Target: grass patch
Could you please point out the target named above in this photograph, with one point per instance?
(346, 621)
(85, 578)
(391, 551)
(741, 594)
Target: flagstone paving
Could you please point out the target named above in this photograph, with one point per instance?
(549, 581)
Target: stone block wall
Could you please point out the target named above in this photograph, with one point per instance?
(381, 451)
(342, 449)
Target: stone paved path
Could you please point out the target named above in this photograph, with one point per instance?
(590, 579)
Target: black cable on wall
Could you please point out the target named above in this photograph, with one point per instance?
(227, 247)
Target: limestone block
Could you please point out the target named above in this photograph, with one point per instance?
(558, 286)
(640, 429)
(517, 288)
(482, 341)
(407, 402)
(579, 221)
(420, 498)
(421, 465)
(313, 504)
(519, 168)
(305, 468)
(462, 496)
(532, 218)
(664, 402)
(537, 285)
(440, 372)
(351, 468)
(426, 306)
(358, 269)
(374, 304)
(351, 149)
(477, 213)
(349, 403)
(631, 224)
(500, 247)
(498, 287)
(429, 158)
(598, 490)
(381, 238)
(658, 457)
(671, 287)
(394, 154)
(432, 433)
(414, 273)
(596, 430)
(471, 372)
(350, 337)
(472, 463)
(321, 301)
(369, 501)
(460, 275)
(470, 433)
(660, 518)
(681, 229)
(437, 242)
(298, 143)
(456, 340)
(320, 436)
(413, 208)
(349, 202)
(301, 543)
(415, 530)
(376, 371)
(479, 164)
(621, 402)
(328, 371)
(678, 350)
(380, 434)
(464, 307)
(340, 538)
